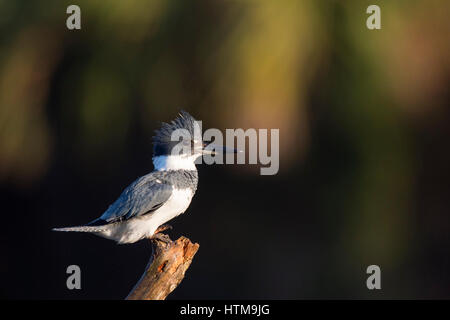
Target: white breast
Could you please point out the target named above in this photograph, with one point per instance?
(145, 226)
(178, 202)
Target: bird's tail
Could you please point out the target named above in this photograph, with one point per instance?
(81, 229)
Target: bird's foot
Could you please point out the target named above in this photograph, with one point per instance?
(161, 237)
(162, 228)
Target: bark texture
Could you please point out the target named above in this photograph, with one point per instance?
(166, 268)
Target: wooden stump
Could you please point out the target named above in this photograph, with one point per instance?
(165, 269)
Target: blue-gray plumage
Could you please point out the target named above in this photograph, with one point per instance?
(147, 194)
(159, 196)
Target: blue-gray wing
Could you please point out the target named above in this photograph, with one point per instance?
(143, 196)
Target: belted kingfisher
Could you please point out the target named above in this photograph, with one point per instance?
(152, 200)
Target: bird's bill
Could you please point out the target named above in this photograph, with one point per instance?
(215, 149)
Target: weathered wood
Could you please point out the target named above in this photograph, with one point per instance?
(165, 269)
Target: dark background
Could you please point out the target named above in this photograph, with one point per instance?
(364, 159)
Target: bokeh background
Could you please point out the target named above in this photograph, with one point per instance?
(364, 124)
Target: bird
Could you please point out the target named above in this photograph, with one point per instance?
(144, 207)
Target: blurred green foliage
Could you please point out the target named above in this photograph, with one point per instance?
(293, 65)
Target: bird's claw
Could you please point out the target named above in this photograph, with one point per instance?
(162, 228)
(161, 237)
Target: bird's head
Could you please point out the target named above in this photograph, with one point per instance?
(176, 145)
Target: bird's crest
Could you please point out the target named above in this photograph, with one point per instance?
(163, 136)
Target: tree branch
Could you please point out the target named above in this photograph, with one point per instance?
(165, 269)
